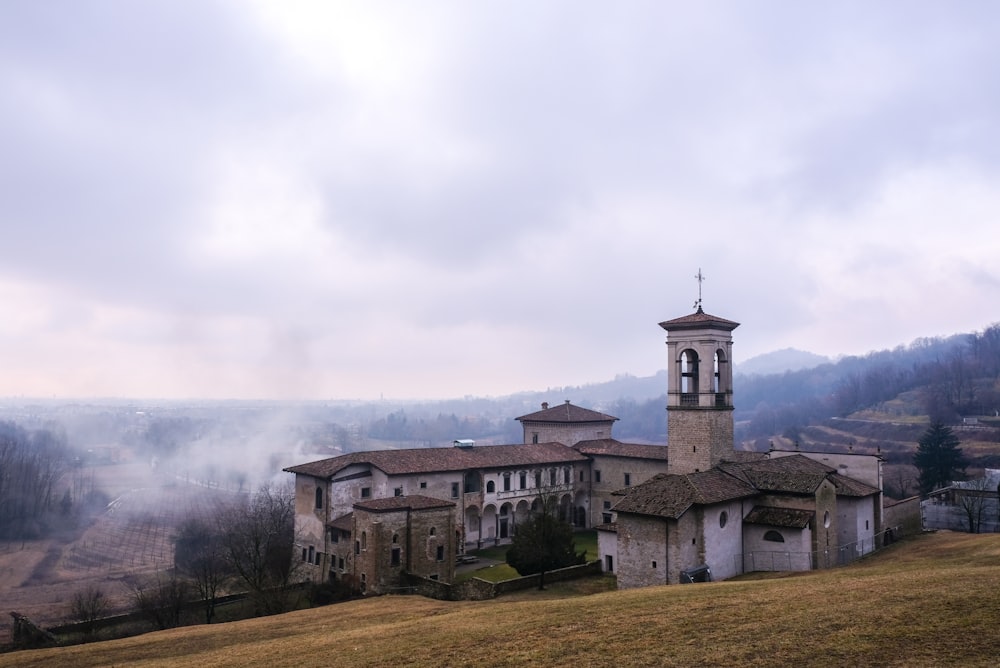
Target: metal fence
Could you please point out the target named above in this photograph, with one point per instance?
(782, 560)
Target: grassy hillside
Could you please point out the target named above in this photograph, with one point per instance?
(929, 601)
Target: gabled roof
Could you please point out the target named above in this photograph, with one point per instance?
(795, 474)
(699, 320)
(344, 522)
(670, 495)
(614, 448)
(779, 517)
(566, 413)
(433, 460)
(391, 503)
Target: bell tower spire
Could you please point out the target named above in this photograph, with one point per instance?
(700, 390)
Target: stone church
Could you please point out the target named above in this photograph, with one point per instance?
(663, 512)
(718, 512)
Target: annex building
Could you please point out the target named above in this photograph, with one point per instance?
(692, 505)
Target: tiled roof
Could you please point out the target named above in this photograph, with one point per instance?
(344, 522)
(670, 495)
(698, 320)
(851, 487)
(795, 474)
(779, 517)
(566, 413)
(389, 503)
(431, 460)
(615, 448)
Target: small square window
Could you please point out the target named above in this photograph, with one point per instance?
(398, 491)
(366, 492)
(607, 505)
(423, 484)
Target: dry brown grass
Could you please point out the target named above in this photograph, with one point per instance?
(929, 601)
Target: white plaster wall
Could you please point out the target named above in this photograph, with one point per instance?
(723, 544)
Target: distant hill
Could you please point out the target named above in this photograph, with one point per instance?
(780, 361)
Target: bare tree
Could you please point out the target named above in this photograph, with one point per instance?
(258, 539)
(87, 606)
(161, 598)
(971, 498)
(199, 553)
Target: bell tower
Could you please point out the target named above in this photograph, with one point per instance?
(700, 392)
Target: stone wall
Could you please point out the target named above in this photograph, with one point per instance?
(698, 439)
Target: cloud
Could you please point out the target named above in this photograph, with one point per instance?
(305, 199)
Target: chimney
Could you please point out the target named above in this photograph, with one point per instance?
(545, 405)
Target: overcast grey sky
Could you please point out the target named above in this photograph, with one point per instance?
(434, 199)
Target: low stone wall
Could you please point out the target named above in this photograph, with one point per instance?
(903, 517)
(477, 589)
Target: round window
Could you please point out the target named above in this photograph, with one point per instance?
(723, 518)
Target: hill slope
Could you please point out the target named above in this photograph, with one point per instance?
(923, 602)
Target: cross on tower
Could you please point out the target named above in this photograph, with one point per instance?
(700, 278)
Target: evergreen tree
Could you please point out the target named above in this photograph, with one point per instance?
(543, 543)
(938, 459)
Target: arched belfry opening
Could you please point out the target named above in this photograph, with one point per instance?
(700, 391)
(689, 372)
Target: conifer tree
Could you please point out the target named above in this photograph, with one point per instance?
(938, 459)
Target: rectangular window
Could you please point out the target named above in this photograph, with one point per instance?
(538, 479)
(581, 476)
(340, 563)
(606, 518)
(607, 505)
(534, 437)
(440, 553)
(506, 483)
(395, 557)
(552, 477)
(523, 479)
(454, 490)
(566, 476)
(628, 479)
(398, 491)
(319, 556)
(366, 492)
(304, 554)
(423, 484)
(597, 476)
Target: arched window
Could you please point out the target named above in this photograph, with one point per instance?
(319, 498)
(774, 537)
(364, 540)
(491, 487)
(689, 372)
(395, 538)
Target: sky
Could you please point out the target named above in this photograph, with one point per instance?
(355, 200)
